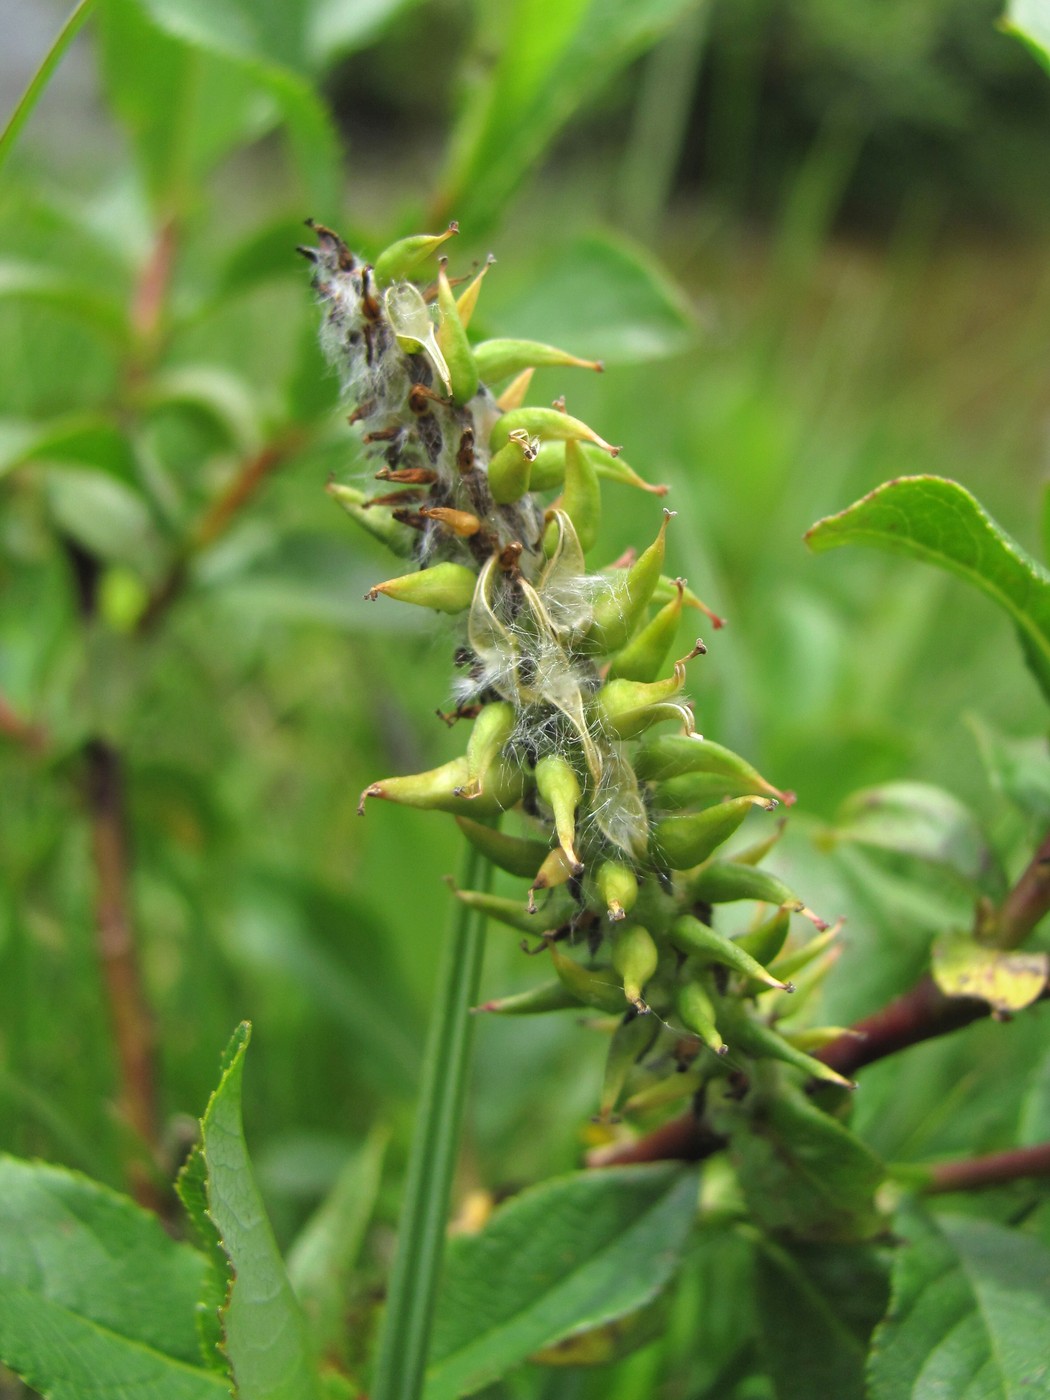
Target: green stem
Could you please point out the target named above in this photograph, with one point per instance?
(39, 81)
(405, 1333)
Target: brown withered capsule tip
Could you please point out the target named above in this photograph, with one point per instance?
(617, 912)
(371, 595)
(787, 987)
(723, 1049)
(310, 254)
(373, 790)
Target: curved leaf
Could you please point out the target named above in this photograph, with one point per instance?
(938, 521)
(561, 1258)
(970, 1314)
(263, 1328)
(95, 1298)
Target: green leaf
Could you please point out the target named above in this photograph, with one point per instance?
(970, 1314)
(551, 60)
(1019, 769)
(337, 27)
(930, 518)
(267, 42)
(90, 439)
(40, 79)
(104, 515)
(184, 109)
(1034, 1123)
(804, 1175)
(43, 286)
(75, 1316)
(1030, 21)
(925, 824)
(220, 396)
(1006, 981)
(264, 1332)
(320, 1260)
(818, 1305)
(563, 1257)
(601, 297)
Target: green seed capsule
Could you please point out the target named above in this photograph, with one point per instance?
(404, 256)
(631, 1039)
(626, 708)
(454, 345)
(635, 957)
(546, 424)
(410, 319)
(515, 854)
(621, 604)
(582, 498)
(698, 940)
(548, 470)
(644, 656)
(590, 986)
(510, 468)
(724, 881)
(665, 1091)
(665, 591)
(548, 996)
(377, 520)
(467, 300)
(617, 887)
(762, 1043)
(446, 587)
(817, 1037)
(558, 785)
(766, 941)
(697, 1014)
(489, 735)
(616, 469)
(556, 870)
(685, 841)
(788, 964)
(515, 915)
(671, 756)
(439, 789)
(499, 359)
(515, 393)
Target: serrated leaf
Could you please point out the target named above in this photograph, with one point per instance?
(75, 1318)
(561, 1258)
(264, 1332)
(805, 1175)
(550, 62)
(1007, 981)
(601, 296)
(970, 1314)
(818, 1305)
(923, 823)
(938, 521)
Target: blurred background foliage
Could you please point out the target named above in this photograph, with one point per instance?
(809, 240)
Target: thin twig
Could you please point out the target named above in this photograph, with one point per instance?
(1027, 902)
(21, 731)
(995, 1169)
(118, 961)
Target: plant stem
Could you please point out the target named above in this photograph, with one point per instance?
(1027, 902)
(405, 1333)
(995, 1169)
(118, 961)
(39, 81)
(19, 730)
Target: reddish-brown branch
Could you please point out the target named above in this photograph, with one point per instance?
(920, 1014)
(1027, 902)
(118, 961)
(996, 1169)
(684, 1139)
(151, 289)
(21, 731)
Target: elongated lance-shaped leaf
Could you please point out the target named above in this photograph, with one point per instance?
(938, 521)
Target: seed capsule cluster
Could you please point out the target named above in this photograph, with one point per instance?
(564, 674)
